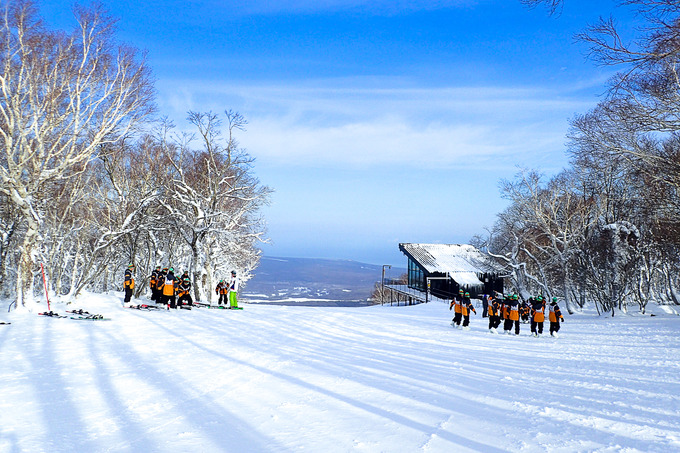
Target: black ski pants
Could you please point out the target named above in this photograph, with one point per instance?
(494, 322)
(536, 324)
(554, 326)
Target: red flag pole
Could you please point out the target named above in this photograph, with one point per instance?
(45, 285)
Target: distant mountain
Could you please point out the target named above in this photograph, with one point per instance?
(306, 281)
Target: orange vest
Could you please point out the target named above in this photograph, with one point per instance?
(539, 315)
(514, 313)
(169, 287)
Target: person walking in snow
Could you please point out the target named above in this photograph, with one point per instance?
(466, 307)
(222, 290)
(485, 305)
(513, 315)
(537, 316)
(507, 323)
(525, 310)
(129, 283)
(494, 314)
(233, 291)
(555, 316)
(456, 303)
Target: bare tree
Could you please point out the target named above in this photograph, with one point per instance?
(553, 6)
(62, 96)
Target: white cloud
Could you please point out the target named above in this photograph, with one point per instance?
(385, 121)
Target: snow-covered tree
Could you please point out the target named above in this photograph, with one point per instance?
(62, 96)
(213, 198)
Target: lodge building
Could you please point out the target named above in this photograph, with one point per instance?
(448, 268)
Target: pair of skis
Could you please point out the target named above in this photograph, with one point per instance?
(81, 314)
(144, 307)
(223, 307)
(76, 314)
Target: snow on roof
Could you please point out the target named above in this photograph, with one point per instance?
(461, 262)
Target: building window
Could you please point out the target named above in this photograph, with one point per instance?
(416, 277)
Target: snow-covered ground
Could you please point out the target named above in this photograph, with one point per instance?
(369, 379)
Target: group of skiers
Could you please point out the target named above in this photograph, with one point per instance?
(168, 289)
(175, 292)
(508, 308)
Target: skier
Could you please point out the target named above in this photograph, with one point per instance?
(507, 322)
(494, 314)
(513, 314)
(555, 315)
(233, 290)
(485, 305)
(525, 309)
(129, 283)
(170, 289)
(153, 283)
(466, 306)
(184, 292)
(537, 316)
(222, 290)
(160, 284)
(457, 308)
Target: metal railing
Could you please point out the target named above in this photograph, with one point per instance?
(409, 296)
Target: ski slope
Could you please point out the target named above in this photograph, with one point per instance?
(333, 379)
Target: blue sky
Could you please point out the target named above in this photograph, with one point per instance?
(375, 122)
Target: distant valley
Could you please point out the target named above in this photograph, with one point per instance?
(313, 282)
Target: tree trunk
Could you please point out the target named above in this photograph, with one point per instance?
(25, 297)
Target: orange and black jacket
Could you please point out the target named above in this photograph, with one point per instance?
(222, 288)
(129, 280)
(494, 308)
(153, 282)
(184, 288)
(538, 312)
(555, 313)
(466, 306)
(169, 284)
(524, 311)
(513, 310)
(160, 280)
